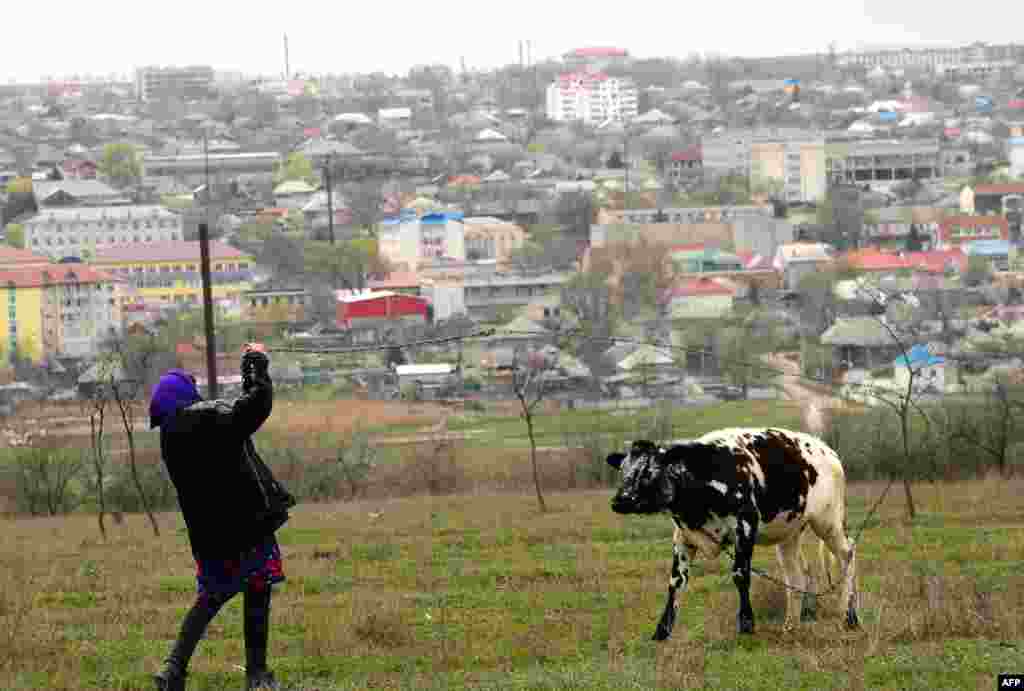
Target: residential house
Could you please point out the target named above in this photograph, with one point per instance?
(798, 259)
(760, 235)
(700, 258)
(64, 310)
(83, 231)
(861, 342)
(75, 193)
(932, 373)
(409, 242)
(877, 262)
(373, 316)
(996, 253)
(882, 163)
(954, 231)
(890, 227)
(78, 169)
(486, 295)
(193, 169)
(686, 214)
(167, 272)
(796, 159)
(429, 380)
(492, 238)
(270, 303)
(994, 199)
(14, 258)
(686, 165)
(592, 97)
(293, 194)
(700, 298)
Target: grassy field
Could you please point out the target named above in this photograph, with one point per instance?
(479, 590)
(484, 592)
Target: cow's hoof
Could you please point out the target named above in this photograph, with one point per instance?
(745, 623)
(809, 608)
(852, 620)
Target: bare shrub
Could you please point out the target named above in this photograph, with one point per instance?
(46, 480)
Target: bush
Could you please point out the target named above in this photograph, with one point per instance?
(343, 475)
(122, 495)
(46, 481)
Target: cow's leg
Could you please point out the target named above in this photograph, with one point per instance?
(746, 536)
(812, 579)
(790, 558)
(846, 554)
(677, 581)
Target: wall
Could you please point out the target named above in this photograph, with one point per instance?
(27, 313)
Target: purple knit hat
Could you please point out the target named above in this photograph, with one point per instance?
(176, 389)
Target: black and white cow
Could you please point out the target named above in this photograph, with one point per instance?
(743, 487)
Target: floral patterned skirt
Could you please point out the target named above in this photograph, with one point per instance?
(258, 568)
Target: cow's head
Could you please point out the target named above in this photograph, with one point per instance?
(646, 486)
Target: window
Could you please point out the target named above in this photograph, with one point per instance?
(174, 236)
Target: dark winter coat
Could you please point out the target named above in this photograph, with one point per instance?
(228, 497)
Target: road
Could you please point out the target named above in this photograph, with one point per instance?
(814, 406)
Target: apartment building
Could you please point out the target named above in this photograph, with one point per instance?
(686, 214)
(975, 59)
(64, 310)
(193, 81)
(167, 273)
(797, 161)
(882, 163)
(727, 153)
(270, 303)
(193, 169)
(591, 97)
(81, 232)
(488, 294)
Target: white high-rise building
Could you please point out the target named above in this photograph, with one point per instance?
(593, 97)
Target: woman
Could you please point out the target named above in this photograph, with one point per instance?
(231, 504)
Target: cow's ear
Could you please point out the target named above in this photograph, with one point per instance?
(615, 460)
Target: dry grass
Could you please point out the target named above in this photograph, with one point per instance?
(482, 591)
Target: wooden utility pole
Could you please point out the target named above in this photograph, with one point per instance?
(204, 273)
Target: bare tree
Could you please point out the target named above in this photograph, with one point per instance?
(136, 358)
(530, 372)
(95, 406)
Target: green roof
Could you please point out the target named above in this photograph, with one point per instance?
(866, 332)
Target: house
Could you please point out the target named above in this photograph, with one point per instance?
(992, 199)
(932, 373)
(492, 238)
(686, 164)
(429, 380)
(488, 294)
(65, 193)
(64, 310)
(167, 273)
(408, 241)
(395, 118)
(700, 298)
(701, 257)
(81, 231)
(798, 259)
(954, 231)
(862, 342)
(270, 303)
(401, 282)
(14, 258)
(995, 252)
(375, 314)
(78, 169)
(875, 261)
(293, 194)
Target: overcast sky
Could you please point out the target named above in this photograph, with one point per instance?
(68, 36)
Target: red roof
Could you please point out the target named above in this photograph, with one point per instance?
(582, 76)
(599, 52)
(280, 212)
(694, 153)
(13, 257)
(56, 274)
(698, 287)
(936, 261)
(688, 247)
(872, 260)
(167, 251)
(1004, 188)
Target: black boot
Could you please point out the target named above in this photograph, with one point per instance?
(172, 676)
(257, 632)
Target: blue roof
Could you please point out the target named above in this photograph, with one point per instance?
(987, 248)
(442, 217)
(920, 356)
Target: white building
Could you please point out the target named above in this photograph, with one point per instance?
(592, 97)
(1015, 149)
(411, 242)
(151, 82)
(80, 231)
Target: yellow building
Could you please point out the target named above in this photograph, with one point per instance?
(168, 272)
(62, 310)
(798, 164)
(268, 304)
